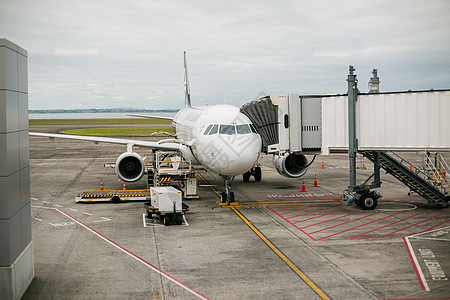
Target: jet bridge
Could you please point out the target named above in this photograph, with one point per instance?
(371, 124)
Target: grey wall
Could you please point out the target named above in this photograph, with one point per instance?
(15, 210)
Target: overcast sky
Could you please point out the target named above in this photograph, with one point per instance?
(110, 53)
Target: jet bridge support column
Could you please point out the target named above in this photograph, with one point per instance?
(352, 140)
(360, 194)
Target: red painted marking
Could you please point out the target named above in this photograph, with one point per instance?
(312, 218)
(288, 212)
(292, 224)
(364, 224)
(345, 222)
(389, 224)
(434, 226)
(311, 212)
(415, 224)
(413, 263)
(331, 219)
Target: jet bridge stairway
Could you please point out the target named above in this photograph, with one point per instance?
(430, 185)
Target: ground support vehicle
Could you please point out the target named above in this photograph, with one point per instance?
(166, 203)
(114, 196)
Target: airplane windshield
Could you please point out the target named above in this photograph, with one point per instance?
(214, 129)
(243, 129)
(227, 129)
(207, 129)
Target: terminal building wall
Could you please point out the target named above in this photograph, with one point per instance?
(16, 248)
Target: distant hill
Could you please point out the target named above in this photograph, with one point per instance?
(98, 110)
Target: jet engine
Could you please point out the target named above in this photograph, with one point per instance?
(290, 164)
(130, 167)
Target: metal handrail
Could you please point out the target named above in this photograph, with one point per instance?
(437, 177)
(445, 165)
(418, 171)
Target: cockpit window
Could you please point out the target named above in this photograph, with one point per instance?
(253, 128)
(207, 129)
(227, 129)
(243, 129)
(214, 129)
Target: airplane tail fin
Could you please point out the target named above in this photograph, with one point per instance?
(186, 84)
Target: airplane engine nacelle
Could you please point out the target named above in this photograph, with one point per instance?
(130, 167)
(290, 164)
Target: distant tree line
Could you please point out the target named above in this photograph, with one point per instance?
(99, 110)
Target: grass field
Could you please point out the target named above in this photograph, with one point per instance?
(97, 121)
(116, 131)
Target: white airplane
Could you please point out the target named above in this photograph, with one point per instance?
(218, 137)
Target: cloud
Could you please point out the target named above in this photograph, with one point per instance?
(99, 53)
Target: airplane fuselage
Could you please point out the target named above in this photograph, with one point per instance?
(221, 138)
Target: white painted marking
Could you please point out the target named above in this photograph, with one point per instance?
(103, 220)
(143, 220)
(57, 205)
(436, 232)
(398, 209)
(38, 219)
(34, 199)
(184, 218)
(416, 263)
(147, 264)
(62, 224)
(86, 213)
(45, 202)
(72, 209)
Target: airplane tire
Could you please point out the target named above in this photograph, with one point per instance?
(223, 199)
(258, 174)
(368, 201)
(231, 197)
(246, 176)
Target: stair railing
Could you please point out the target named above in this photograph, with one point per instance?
(437, 178)
(444, 166)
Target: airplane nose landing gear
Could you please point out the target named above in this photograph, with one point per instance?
(227, 196)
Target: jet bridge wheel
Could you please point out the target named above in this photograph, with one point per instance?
(368, 201)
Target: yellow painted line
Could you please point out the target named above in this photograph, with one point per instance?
(274, 249)
(282, 256)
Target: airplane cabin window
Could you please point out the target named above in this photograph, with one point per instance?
(227, 129)
(207, 129)
(243, 129)
(214, 129)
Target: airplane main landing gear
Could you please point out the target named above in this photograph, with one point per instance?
(227, 196)
(255, 171)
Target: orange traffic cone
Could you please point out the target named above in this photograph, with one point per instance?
(124, 187)
(323, 164)
(303, 186)
(315, 182)
(364, 164)
(101, 185)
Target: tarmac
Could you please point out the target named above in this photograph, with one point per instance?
(276, 243)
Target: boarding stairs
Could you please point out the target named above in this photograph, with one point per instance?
(427, 182)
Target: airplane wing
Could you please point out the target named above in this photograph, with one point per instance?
(162, 145)
(152, 117)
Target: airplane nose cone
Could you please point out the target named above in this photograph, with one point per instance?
(232, 155)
